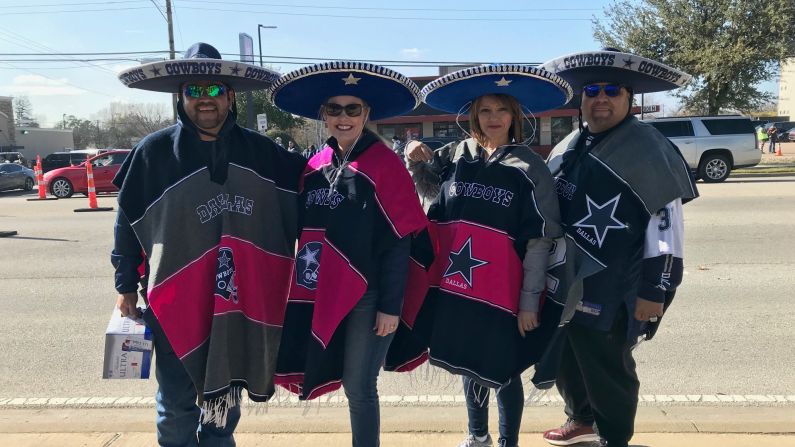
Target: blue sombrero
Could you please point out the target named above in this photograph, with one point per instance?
(609, 65)
(201, 62)
(535, 89)
(303, 91)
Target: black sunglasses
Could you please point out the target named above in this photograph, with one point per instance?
(197, 91)
(611, 90)
(333, 109)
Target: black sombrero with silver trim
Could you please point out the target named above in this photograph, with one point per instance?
(303, 91)
(609, 65)
(535, 89)
(201, 62)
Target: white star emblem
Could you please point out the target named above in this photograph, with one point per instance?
(223, 260)
(351, 80)
(601, 218)
(503, 82)
(310, 257)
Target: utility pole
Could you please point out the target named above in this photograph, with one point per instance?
(170, 21)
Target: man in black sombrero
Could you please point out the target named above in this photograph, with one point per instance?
(620, 185)
(209, 210)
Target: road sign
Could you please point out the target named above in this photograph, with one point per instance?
(262, 122)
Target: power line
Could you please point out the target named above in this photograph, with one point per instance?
(50, 11)
(160, 10)
(41, 5)
(348, 8)
(102, 53)
(424, 19)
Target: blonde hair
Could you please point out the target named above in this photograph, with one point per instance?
(517, 117)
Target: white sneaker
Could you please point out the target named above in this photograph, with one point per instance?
(472, 441)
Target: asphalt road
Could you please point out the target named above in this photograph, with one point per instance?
(729, 330)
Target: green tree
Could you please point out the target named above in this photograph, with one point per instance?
(729, 46)
(277, 118)
(84, 131)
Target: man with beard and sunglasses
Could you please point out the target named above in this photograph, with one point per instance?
(621, 185)
(207, 224)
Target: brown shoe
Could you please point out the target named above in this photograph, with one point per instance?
(570, 433)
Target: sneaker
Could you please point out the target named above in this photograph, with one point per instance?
(570, 433)
(472, 441)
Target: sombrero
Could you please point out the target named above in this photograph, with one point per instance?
(535, 89)
(303, 91)
(201, 62)
(609, 65)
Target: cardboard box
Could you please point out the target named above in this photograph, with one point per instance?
(128, 348)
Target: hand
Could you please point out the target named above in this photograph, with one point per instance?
(127, 304)
(645, 310)
(416, 151)
(385, 324)
(528, 321)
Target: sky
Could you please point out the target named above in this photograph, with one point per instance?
(308, 31)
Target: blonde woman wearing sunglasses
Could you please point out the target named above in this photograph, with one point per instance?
(360, 214)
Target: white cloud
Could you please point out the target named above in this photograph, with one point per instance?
(411, 53)
(35, 85)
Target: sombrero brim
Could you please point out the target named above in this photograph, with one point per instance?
(167, 76)
(303, 91)
(643, 75)
(536, 90)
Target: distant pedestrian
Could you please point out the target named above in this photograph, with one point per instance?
(772, 135)
(279, 141)
(761, 135)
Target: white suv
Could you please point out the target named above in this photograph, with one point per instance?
(712, 145)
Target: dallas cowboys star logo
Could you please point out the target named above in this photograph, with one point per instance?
(601, 218)
(235, 70)
(223, 261)
(463, 263)
(503, 82)
(628, 63)
(351, 80)
(306, 272)
(155, 71)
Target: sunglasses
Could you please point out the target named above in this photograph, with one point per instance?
(351, 110)
(611, 90)
(197, 91)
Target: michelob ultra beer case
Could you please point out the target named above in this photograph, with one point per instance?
(128, 348)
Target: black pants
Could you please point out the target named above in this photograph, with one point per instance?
(597, 379)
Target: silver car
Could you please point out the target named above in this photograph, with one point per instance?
(712, 145)
(14, 176)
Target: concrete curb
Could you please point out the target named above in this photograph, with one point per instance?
(262, 420)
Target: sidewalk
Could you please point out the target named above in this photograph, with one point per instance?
(659, 426)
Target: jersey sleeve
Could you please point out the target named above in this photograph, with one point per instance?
(663, 253)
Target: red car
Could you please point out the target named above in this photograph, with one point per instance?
(63, 182)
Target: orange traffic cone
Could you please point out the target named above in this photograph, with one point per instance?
(92, 192)
(778, 151)
(38, 172)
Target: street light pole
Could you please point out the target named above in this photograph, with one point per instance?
(259, 39)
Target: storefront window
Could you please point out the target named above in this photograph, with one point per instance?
(451, 129)
(527, 131)
(561, 126)
(405, 132)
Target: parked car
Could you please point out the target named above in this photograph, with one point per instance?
(63, 159)
(15, 176)
(783, 128)
(712, 145)
(63, 182)
(13, 157)
(791, 135)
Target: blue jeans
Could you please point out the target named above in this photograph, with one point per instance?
(510, 405)
(772, 146)
(364, 356)
(177, 412)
